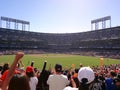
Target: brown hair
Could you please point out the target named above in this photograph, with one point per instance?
(19, 82)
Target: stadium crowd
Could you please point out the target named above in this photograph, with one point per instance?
(101, 42)
(17, 77)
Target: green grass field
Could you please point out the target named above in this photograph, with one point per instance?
(65, 59)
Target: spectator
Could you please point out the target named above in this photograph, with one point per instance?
(75, 77)
(42, 79)
(10, 73)
(85, 77)
(97, 84)
(81, 65)
(33, 80)
(5, 67)
(57, 81)
(73, 84)
(3, 77)
(19, 82)
(117, 81)
(18, 67)
(109, 81)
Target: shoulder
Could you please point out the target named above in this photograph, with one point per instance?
(64, 76)
(34, 78)
(4, 75)
(51, 76)
(108, 80)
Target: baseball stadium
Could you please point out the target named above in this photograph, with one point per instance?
(59, 45)
(103, 42)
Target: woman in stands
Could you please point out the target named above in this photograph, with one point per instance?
(19, 82)
(33, 80)
(5, 67)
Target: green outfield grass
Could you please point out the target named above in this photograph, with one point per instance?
(64, 59)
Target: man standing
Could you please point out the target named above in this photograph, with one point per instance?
(57, 81)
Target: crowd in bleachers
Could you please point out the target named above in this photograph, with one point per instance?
(104, 38)
(21, 77)
(105, 53)
(97, 41)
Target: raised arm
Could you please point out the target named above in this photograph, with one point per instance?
(22, 64)
(18, 56)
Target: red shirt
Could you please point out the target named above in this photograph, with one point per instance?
(5, 74)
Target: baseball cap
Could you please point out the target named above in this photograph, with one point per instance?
(86, 73)
(29, 69)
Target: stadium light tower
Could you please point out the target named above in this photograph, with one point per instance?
(16, 23)
(103, 20)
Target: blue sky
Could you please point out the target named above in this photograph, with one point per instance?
(61, 16)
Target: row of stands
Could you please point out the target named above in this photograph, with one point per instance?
(104, 39)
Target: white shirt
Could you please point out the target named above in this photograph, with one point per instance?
(33, 83)
(70, 88)
(57, 82)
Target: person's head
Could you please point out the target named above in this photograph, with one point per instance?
(76, 70)
(58, 68)
(111, 74)
(5, 67)
(86, 73)
(81, 65)
(30, 71)
(19, 82)
(85, 77)
(117, 81)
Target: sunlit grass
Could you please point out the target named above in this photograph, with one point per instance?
(65, 59)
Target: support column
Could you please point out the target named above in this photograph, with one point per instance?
(23, 26)
(96, 26)
(103, 24)
(16, 25)
(8, 24)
